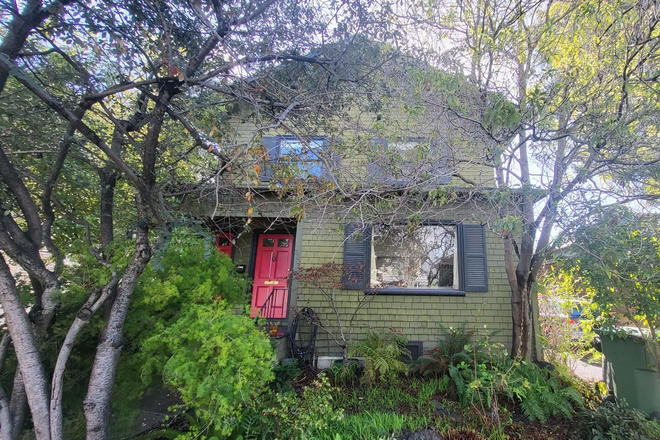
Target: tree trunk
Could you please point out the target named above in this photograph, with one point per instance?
(526, 340)
(19, 29)
(108, 181)
(18, 405)
(27, 353)
(522, 313)
(97, 404)
(96, 300)
(6, 425)
(517, 321)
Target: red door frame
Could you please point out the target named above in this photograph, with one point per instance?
(265, 280)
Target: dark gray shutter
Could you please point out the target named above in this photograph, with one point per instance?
(475, 272)
(357, 257)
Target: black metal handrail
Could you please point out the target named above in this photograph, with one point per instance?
(269, 306)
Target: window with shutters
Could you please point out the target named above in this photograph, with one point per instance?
(430, 258)
(423, 256)
(289, 156)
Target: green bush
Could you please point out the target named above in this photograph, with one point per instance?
(482, 374)
(216, 360)
(185, 276)
(293, 417)
(383, 353)
(541, 393)
(284, 374)
(183, 330)
(563, 340)
(610, 421)
(616, 256)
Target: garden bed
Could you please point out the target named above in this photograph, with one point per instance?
(459, 390)
(437, 416)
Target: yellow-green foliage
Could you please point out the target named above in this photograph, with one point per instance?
(190, 336)
(217, 361)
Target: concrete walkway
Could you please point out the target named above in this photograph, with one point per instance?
(586, 371)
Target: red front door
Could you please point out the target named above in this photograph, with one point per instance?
(271, 274)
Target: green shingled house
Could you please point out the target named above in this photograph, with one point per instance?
(398, 207)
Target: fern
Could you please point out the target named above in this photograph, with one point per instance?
(451, 350)
(383, 354)
(533, 410)
(456, 375)
(573, 395)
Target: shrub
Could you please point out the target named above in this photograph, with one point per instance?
(383, 353)
(541, 393)
(183, 329)
(563, 339)
(284, 374)
(617, 256)
(451, 349)
(482, 374)
(610, 421)
(217, 360)
(186, 274)
(293, 417)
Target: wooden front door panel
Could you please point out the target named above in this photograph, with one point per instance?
(271, 271)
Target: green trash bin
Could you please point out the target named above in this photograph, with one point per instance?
(626, 353)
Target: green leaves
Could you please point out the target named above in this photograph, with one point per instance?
(217, 360)
(501, 114)
(182, 328)
(382, 356)
(617, 255)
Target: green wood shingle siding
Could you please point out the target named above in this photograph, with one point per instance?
(419, 317)
(243, 133)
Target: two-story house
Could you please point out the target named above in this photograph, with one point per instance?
(395, 199)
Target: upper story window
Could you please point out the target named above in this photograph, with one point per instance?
(424, 257)
(405, 161)
(290, 155)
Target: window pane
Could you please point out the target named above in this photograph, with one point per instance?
(419, 257)
(403, 146)
(283, 242)
(425, 162)
(268, 242)
(223, 241)
(303, 158)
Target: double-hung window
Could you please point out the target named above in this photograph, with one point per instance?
(429, 258)
(415, 161)
(288, 155)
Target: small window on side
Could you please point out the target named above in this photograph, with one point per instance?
(224, 243)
